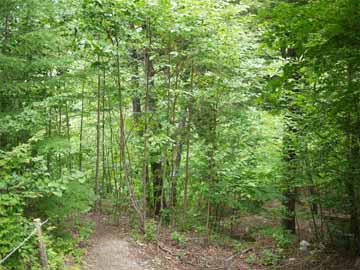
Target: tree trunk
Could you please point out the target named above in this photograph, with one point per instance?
(122, 142)
(48, 155)
(150, 107)
(103, 147)
(97, 173)
(68, 135)
(289, 152)
(59, 132)
(290, 158)
(136, 101)
(351, 183)
(211, 138)
(188, 136)
(81, 128)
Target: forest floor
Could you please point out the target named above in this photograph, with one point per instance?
(117, 247)
(112, 248)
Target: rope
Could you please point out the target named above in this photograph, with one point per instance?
(21, 244)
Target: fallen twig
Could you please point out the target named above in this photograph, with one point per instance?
(229, 261)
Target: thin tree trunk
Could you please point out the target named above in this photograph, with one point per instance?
(68, 135)
(165, 159)
(123, 145)
(351, 183)
(162, 195)
(290, 194)
(150, 107)
(188, 136)
(289, 154)
(136, 102)
(59, 132)
(103, 136)
(97, 173)
(48, 155)
(175, 146)
(211, 164)
(147, 105)
(112, 170)
(81, 128)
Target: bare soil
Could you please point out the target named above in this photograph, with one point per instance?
(112, 249)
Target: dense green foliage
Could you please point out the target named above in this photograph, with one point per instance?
(319, 90)
(187, 113)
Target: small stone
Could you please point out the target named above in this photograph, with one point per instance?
(304, 245)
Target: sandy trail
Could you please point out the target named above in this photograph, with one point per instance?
(112, 249)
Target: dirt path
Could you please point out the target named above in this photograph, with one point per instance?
(112, 249)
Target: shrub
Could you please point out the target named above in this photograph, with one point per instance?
(150, 230)
(178, 238)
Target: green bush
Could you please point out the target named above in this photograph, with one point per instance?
(283, 238)
(77, 198)
(150, 230)
(56, 199)
(178, 238)
(270, 257)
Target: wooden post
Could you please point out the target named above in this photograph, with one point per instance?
(42, 247)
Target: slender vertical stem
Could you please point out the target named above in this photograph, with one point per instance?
(81, 128)
(48, 155)
(98, 133)
(103, 135)
(122, 141)
(112, 168)
(68, 134)
(188, 135)
(59, 132)
(145, 157)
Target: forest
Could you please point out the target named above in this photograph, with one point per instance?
(179, 134)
